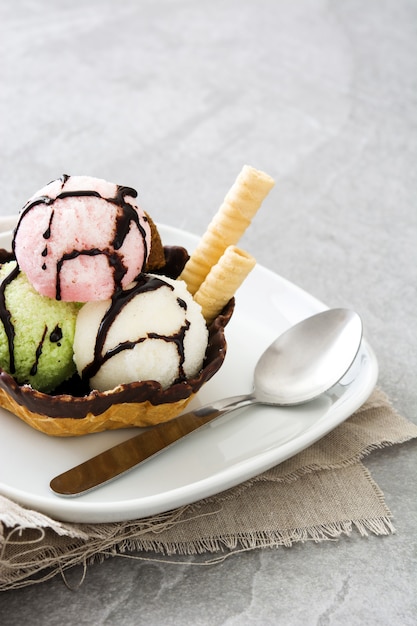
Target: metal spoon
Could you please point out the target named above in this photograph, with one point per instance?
(304, 362)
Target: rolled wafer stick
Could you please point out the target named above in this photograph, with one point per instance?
(223, 280)
(228, 225)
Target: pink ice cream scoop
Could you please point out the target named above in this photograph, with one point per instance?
(82, 238)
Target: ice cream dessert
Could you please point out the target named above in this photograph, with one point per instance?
(145, 342)
(80, 238)
(153, 330)
(36, 333)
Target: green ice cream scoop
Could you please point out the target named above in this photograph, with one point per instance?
(36, 332)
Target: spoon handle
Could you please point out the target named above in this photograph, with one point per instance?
(121, 458)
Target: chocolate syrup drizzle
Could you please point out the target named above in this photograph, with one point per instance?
(5, 316)
(38, 353)
(145, 283)
(124, 218)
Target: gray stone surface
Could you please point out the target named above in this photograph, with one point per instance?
(173, 97)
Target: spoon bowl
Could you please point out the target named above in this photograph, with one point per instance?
(308, 358)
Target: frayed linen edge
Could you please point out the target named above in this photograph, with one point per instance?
(15, 576)
(260, 539)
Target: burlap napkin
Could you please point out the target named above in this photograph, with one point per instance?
(322, 493)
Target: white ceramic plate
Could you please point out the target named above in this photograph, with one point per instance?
(218, 456)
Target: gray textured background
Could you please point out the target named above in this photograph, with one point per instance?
(173, 97)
